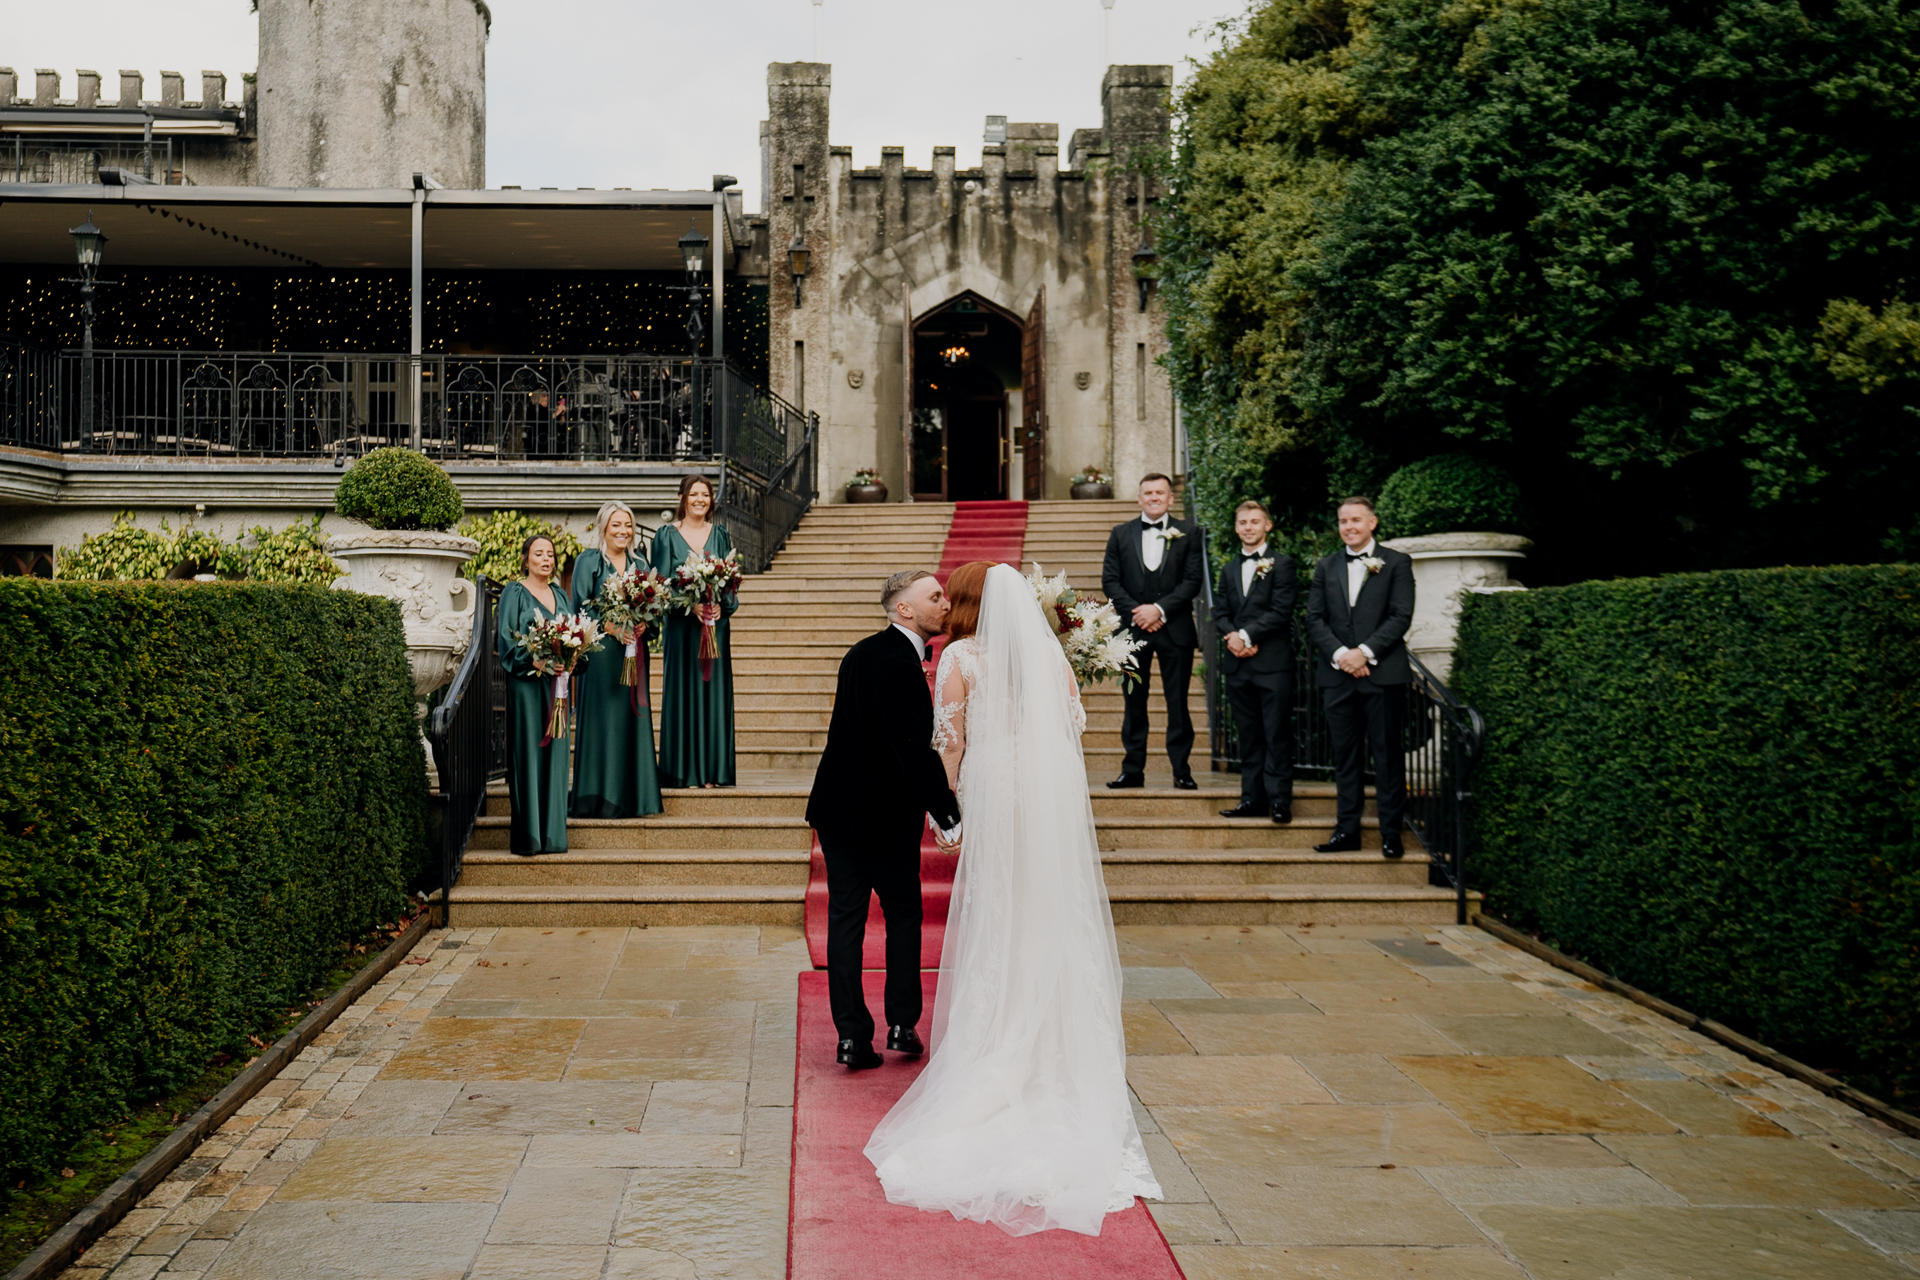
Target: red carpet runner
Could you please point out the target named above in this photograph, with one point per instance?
(994, 531)
(841, 1224)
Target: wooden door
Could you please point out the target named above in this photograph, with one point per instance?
(1033, 399)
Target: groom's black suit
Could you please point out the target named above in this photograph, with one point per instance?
(879, 778)
(1365, 711)
(1173, 586)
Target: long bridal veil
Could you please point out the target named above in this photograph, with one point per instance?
(1021, 1117)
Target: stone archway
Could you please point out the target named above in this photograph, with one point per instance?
(966, 358)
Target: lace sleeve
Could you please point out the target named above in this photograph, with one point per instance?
(1076, 709)
(950, 703)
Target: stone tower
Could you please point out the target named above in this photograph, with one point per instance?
(366, 93)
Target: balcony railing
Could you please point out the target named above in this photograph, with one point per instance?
(318, 406)
(64, 160)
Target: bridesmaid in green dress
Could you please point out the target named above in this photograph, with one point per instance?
(536, 775)
(613, 767)
(696, 718)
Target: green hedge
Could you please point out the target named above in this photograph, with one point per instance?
(1707, 785)
(204, 790)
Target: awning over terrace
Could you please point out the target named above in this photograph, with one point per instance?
(188, 227)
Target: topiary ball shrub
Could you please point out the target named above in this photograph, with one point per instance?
(1449, 493)
(395, 488)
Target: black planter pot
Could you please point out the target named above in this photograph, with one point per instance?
(1084, 490)
(875, 492)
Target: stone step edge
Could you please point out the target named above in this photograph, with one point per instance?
(656, 893)
(1281, 893)
(473, 894)
(631, 857)
(1310, 790)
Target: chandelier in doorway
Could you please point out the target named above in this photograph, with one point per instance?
(955, 355)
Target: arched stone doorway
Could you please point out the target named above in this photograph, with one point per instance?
(966, 359)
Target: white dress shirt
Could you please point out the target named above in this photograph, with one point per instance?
(1246, 578)
(1153, 541)
(1356, 579)
(919, 645)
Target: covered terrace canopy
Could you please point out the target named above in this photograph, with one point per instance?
(157, 226)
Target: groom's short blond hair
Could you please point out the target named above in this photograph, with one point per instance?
(897, 586)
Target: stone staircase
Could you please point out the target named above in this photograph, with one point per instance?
(739, 855)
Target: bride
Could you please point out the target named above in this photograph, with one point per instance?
(1021, 1118)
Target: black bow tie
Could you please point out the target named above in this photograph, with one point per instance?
(1252, 555)
(1157, 524)
(1356, 555)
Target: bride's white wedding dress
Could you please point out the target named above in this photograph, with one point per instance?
(1021, 1117)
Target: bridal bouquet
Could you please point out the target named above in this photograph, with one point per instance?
(633, 600)
(560, 642)
(1089, 632)
(703, 580)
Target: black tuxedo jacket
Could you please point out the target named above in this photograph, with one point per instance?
(1265, 613)
(1174, 586)
(879, 774)
(1378, 619)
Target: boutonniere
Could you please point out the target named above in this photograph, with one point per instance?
(1372, 564)
(1173, 533)
(1261, 568)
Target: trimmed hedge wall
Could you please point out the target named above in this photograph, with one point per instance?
(1708, 784)
(204, 790)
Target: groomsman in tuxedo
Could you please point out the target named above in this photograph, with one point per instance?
(1153, 573)
(1254, 612)
(1358, 611)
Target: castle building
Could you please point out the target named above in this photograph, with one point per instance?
(318, 267)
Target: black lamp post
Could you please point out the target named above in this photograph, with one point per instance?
(1143, 259)
(89, 247)
(798, 258)
(693, 252)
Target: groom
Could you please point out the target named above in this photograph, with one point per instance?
(879, 778)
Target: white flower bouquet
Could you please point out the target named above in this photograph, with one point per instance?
(1089, 632)
(706, 580)
(560, 643)
(632, 601)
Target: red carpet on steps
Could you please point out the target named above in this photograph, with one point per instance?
(984, 531)
(840, 1223)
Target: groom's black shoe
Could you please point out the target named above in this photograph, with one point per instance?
(1390, 845)
(1185, 782)
(905, 1040)
(1342, 842)
(856, 1056)
(1282, 812)
(1245, 809)
(1127, 780)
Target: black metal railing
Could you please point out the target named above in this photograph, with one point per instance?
(232, 404)
(462, 734)
(1441, 743)
(66, 160)
(28, 376)
(761, 509)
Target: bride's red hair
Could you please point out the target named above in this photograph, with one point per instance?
(964, 589)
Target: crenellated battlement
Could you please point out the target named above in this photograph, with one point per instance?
(47, 84)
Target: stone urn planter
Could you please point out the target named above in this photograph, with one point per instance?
(419, 569)
(875, 492)
(1085, 490)
(1447, 566)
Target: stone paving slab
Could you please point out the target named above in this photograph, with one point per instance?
(1335, 1102)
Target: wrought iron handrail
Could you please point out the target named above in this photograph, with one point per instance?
(329, 406)
(461, 733)
(761, 512)
(1442, 741)
(67, 160)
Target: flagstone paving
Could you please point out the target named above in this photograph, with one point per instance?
(1330, 1102)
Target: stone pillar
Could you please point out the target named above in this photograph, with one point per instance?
(1135, 106)
(132, 85)
(9, 86)
(1447, 566)
(46, 87)
(173, 89)
(800, 198)
(88, 94)
(213, 90)
(366, 93)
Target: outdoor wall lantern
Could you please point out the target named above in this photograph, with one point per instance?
(693, 251)
(798, 258)
(89, 248)
(1143, 259)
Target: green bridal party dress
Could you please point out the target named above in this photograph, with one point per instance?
(613, 767)
(536, 775)
(696, 715)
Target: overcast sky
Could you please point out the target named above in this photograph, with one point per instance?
(644, 93)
